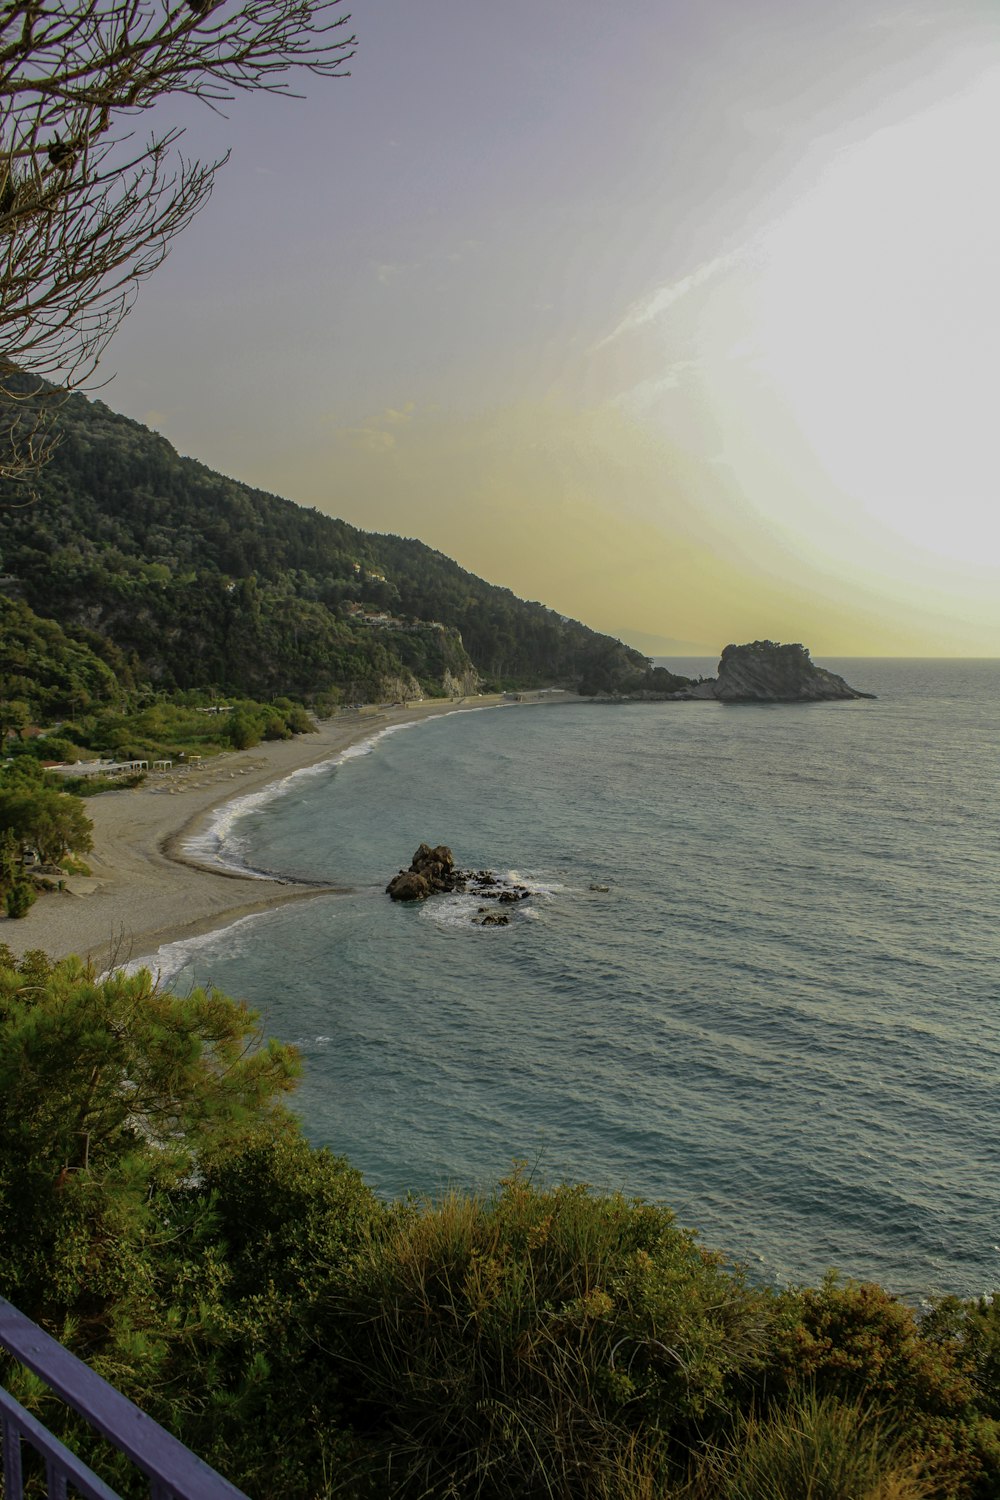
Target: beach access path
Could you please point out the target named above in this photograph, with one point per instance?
(144, 890)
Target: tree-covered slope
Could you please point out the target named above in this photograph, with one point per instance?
(197, 580)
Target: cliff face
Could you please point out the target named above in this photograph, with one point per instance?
(766, 672)
(465, 685)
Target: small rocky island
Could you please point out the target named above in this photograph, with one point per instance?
(432, 872)
(768, 672)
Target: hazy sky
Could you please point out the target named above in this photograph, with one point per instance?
(682, 316)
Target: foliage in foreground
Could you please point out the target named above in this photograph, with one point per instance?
(162, 1214)
(518, 1342)
(816, 1448)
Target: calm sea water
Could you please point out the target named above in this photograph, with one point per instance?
(782, 1017)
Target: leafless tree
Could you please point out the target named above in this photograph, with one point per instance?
(89, 203)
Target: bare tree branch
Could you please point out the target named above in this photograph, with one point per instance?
(88, 207)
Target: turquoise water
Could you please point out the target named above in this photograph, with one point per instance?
(781, 1018)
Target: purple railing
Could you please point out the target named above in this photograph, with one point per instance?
(174, 1472)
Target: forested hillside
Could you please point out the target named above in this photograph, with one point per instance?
(182, 578)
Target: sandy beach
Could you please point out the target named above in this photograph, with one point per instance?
(143, 890)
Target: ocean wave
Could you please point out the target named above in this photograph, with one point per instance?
(465, 908)
(171, 959)
(218, 846)
(536, 884)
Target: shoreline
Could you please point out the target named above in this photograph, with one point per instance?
(145, 890)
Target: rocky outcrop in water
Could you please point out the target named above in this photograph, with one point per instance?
(408, 886)
(432, 872)
(767, 672)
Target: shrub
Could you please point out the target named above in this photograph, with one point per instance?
(20, 898)
(251, 1366)
(295, 716)
(92, 786)
(45, 747)
(243, 729)
(813, 1448)
(973, 1330)
(48, 820)
(537, 1342)
(854, 1341)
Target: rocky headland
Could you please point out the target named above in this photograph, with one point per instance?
(757, 672)
(768, 672)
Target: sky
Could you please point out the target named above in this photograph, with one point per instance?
(681, 316)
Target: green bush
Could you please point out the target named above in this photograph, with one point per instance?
(161, 1215)
(854, 1341)
(972, 1329)
(251, 1365)
(112, 1093)
(244, 729)
(537, 1342)
(44, 747)
(298, 721)
(814, 1448)
(20, 898)
(43, 818)
(92, 786)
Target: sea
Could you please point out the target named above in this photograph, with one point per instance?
(755, 978)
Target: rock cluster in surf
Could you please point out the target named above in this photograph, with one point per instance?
(432, 872)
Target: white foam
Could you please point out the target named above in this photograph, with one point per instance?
(463, 908)
(172, 958)
(217, 845)
(535, 884)
(450, 911)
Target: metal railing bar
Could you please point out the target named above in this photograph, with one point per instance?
(13, 1477)
(156, 1452)
(55, 1480)
(60, 1462)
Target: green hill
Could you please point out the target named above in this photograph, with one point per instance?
(181, 578)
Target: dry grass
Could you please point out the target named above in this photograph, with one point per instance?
(814, 1448)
